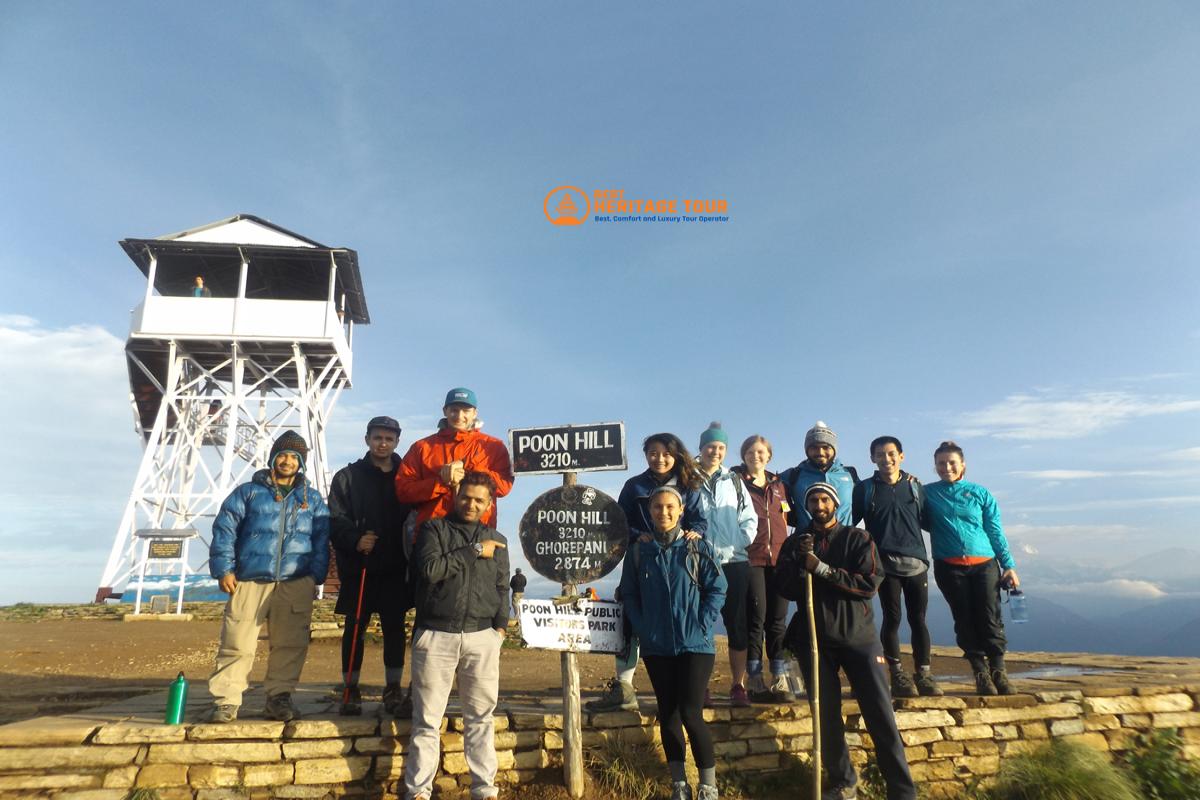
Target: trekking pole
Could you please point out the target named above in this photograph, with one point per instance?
(814, 689)
(362, 584)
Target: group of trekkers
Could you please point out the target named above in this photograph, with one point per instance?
(705, 540)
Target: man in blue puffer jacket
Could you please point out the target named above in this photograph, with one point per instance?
(821, 466)
(270, 549)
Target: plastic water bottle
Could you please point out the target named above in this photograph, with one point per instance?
(1017, 607)
(177, 700)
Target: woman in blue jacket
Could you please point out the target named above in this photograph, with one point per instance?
(971, 562)
(672, 591)
(669, 464)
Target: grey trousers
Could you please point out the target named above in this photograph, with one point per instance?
(436, 658)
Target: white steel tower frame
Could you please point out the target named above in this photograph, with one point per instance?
(214, 380)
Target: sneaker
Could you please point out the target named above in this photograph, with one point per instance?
(708, 703)
(738, 697)
(393, 699)
(618, 696)
(902, 685)
(222, 714)
(983, 684)
(926, 685)
(681, 791)
(781, 691)
(840, 793)
(1001, 682)
(707, 793)
(351, 702)
(279, 707)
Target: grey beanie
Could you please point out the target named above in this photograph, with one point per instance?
(820, 433)
(827, 488)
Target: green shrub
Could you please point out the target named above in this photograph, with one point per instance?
(1159, 768)
(1060, 770)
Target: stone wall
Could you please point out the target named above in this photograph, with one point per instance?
(950, 740)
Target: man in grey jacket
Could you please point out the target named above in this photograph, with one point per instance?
(459, 573)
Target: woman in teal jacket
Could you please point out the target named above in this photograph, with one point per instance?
(971, 562)
(672, 591)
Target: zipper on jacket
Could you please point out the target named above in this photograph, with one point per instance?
(282, 534)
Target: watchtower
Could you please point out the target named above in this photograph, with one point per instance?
(220, 366)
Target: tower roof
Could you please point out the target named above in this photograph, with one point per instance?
(282, 264)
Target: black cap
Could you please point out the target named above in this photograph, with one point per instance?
(387, 423)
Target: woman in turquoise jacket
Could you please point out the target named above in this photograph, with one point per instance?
(672, 591)
(971, 562)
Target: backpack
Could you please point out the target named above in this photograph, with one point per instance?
(869, 495)
(739, 485)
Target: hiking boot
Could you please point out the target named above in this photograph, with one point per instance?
(983, 684)
(393, 699)
(222, 714)
(618, 696)
(1001, 682)
(681, 791)
(926, 685)
(405, 708)
(840, 792)
(902, 685)
(351, 702)
(738, 697)
(706, 792)
(279, 707)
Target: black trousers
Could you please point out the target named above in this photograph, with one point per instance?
(679, 683)
(915, 591)
(391, 622)
(767, 614)
(737, 604)
(866, 670)
(974, 597)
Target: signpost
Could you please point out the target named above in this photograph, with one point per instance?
(584, 626)
(572, 535)
(168, 548)
(568, 448)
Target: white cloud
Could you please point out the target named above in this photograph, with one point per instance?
(1027, 533)
(1085, 474)
(1117, 587)
(1186, 454)
(1046, 416)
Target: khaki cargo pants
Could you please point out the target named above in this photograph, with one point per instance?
(286, 609)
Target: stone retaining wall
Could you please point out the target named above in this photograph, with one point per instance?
(950, 740)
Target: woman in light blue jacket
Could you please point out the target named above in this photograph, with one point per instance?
(971, 562)
(732, 526)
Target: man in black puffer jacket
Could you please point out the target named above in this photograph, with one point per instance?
(460, 588)
(843, 565)
(367, 530)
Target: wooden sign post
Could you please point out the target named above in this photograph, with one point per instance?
(572, 535)
(572, 717)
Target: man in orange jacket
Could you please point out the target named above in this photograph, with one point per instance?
(430, 472)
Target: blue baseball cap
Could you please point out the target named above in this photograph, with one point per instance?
(461, 395)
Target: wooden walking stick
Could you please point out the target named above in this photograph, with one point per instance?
(814, 690)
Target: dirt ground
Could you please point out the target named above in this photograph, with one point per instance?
(55, 666)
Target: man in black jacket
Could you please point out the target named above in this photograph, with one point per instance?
(367, 529)
(843, 565)
(890, 503)
(460, 588)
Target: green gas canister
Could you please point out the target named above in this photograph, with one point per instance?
(177, 700)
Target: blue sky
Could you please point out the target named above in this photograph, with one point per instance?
(969, 220)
